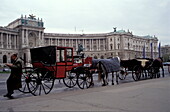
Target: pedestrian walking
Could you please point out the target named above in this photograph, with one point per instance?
(14, 80)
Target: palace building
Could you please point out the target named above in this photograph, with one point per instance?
(28, 32)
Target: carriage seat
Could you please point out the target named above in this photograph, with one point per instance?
(143, 62)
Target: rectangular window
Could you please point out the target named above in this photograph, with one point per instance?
(69, 55)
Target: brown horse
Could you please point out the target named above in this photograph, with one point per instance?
(156, 65)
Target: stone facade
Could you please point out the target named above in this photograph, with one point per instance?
(28, 32)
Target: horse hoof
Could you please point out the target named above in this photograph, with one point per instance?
(92, 84)
(103, 84)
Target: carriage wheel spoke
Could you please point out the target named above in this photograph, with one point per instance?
(73, 81)
(81, 83)
(24, 87)
(40, 90)
(47, 86)
(86, 84)
(44, 89)
(35, 89)
(70, 82)
(31, 85)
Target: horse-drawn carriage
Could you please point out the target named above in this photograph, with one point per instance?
(54, 62)
(141, 67)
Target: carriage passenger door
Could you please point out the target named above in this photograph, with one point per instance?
(60, 63)
(69, 56)
(69, 59)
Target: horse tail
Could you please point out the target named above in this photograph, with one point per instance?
(101, 71)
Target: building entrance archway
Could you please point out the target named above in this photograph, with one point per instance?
(4, 59)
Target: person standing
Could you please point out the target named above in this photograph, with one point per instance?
(14, 80)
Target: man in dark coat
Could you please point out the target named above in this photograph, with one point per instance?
(14, 80)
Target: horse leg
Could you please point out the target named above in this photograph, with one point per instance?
(112, 78)
(104, 83)
(145, 74)
(163, 71)
(107, 81)
(117, 76)
(91, 75)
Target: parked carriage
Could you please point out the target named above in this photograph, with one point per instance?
(137, 67)
(145, 68)
(53, 62)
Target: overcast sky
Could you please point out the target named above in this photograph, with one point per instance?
(142, 17)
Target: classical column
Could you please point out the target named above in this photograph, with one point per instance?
(22, 36)
(71, 42)
(105, 44)
(10, 41)
(85, 46)
(42, 38)
(92, 44)
(14, 41)
(57, 42)
(2, 43)
(83, 43)
(64, 42)
(99, 45)
(7, 41)
(39, 38)
(27, 41)
(76, 44)
(17, 43)
(50, 41)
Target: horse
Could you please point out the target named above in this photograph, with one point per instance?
(106, 66)
(156, 65)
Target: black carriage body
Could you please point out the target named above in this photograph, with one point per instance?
(46, 55)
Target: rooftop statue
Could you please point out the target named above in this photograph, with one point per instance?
(114, 29)
(31, 16)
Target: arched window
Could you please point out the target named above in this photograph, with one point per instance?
(118, 46)
(128, 45)
(111, 46)
(4, 59)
